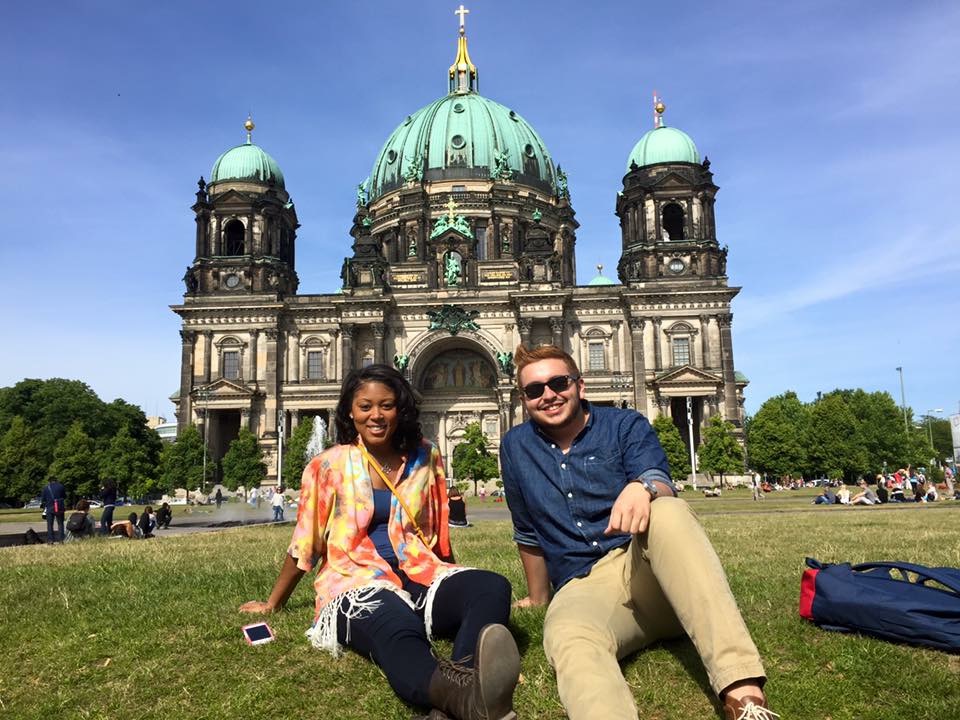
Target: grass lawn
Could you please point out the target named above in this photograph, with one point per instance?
(120, 629)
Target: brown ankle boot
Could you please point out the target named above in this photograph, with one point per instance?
(485, 691)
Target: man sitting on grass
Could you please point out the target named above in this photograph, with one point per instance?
(595, 516)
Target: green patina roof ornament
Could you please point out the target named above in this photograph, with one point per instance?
(414, 171)
(463, 73)
(367, 221)
(362, 195)
(505, 361)
(453, 319)
(537, 215)
(563, 192)
(400, 362)
(451, 221)
(501, 169)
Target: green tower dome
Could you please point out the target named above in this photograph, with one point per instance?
(248, 163)
(601, 279)
(663, 145)
(462, 136)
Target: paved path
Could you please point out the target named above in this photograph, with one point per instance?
(211, 520)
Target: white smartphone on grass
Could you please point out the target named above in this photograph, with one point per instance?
(257, 633)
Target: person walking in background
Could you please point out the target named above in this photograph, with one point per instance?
(54, 500)
(219, 498)
(757, 489)
(277, 504)
(108, 496)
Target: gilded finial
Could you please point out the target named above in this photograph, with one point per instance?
(463, 73)
(249, 126)
(599, 268)
(658, 109)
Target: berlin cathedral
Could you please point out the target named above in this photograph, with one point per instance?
(464, 243)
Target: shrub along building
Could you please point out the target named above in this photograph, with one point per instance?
(463, 246)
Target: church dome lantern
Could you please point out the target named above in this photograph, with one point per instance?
(247, 163)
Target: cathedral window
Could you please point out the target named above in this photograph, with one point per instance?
(315, 365)
(672, 222)
(596, 359)
(231, 364)
(681, 351)
(234, 234)
(480, 232)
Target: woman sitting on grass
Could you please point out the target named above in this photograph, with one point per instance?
(126, 528)
(79, 524)
(372, 519)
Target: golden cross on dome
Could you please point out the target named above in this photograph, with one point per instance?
(451, 206)
(461, 12)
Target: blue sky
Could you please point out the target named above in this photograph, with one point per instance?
(831, 128)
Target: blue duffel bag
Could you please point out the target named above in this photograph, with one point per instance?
(895, 601)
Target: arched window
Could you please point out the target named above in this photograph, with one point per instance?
(672, 222)
(233, 235)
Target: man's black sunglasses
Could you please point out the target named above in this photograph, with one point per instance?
(558, 384)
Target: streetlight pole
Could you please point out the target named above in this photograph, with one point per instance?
(903, 402)
(693, 456)
(205, 394)
(930, 427)
(279, 449)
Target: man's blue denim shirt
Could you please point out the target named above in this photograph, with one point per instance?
(561, 502)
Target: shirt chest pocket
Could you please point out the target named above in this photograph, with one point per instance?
(602, 470)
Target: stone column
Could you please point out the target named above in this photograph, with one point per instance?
(271, 386)
(207, 355)
(379, 338)
(248, 237)
(254, 341)
(245, 416)
(615, 336)
(638, 365)
(705, 340)
(187, 338)
(346, 338)
(293, 343)
(556, 332)
(333, 357)
(730, 410)
(525, 325)
(657, 352)
(217, 237)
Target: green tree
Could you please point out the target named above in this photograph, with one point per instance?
(678, 454)
(835, 449)
(243, 462)
(720, 452)
(75, 462)
(777, 436)
(127, 462)
(295, 454)
(472, 460)
(879, 429)
(181, 464)
(21, 467)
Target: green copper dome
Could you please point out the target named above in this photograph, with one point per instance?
(249, 163)
(663, 145)
(462, 136)
(601, 279)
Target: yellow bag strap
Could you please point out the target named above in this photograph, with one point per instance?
(393, 488)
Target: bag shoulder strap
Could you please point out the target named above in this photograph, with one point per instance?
(393, 489)
(948, 577)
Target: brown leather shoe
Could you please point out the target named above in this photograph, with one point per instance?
(749, 707)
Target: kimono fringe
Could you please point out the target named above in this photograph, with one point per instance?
(428, 599)
(360, 603)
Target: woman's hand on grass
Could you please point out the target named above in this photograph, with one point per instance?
(256, 606)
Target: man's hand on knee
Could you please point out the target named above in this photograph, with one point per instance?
(631, 510)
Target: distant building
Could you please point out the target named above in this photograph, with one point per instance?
(463, 246)
(166, 430)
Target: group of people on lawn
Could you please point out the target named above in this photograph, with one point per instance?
(603, 540)
(904, 485)
(80, 524)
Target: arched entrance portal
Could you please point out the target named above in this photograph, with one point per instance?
(458, 383)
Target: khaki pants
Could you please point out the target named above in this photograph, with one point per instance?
(667, 581)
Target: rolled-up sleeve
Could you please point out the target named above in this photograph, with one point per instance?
(522, 526)
(643, 456)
